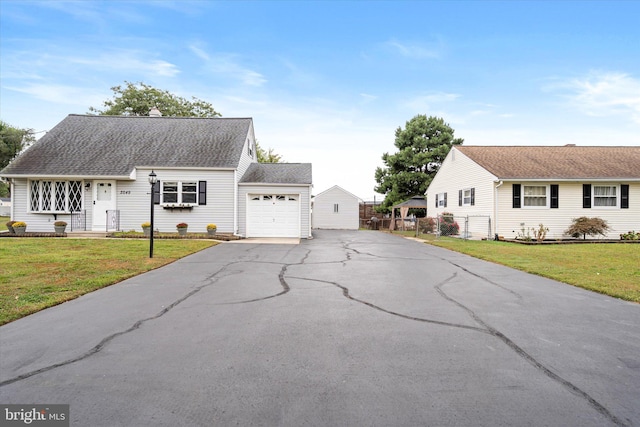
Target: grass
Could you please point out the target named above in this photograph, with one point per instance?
(3, 222)
(36, 273)
(608, 268)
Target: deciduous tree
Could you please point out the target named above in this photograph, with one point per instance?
(267, 156)
(422, 146)
(137, 99)
(12, 141)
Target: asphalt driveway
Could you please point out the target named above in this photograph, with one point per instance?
(347, 329)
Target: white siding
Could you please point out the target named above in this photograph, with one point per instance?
(245, 158)
(569, 207)
(38, 221)
(305, 205)
(134, 201)
(458, 172)
(324, 210)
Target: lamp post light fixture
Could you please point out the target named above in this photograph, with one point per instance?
(153, 178)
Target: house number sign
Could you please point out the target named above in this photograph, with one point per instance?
(125, 191)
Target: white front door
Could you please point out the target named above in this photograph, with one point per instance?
(104, 199)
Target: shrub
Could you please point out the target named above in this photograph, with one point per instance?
(212, 227)
(427, 225)
(145, 224)
(584, 226)
(447, 226)
(19, 224)
(182, 225)
(60, 224)
(631, 235)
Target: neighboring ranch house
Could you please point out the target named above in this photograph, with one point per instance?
(336, 209)
(92, 171)
(538, 185)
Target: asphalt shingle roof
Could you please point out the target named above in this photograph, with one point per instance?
(566, 162)
(84, 145)
(278, 173)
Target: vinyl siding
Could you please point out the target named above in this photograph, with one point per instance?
(305, 204)
(324, 215)
(570, 206)
(245, 158)
(134, 199)
(458, 172)
(42, 222)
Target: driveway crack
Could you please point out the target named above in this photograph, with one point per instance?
(209, 280)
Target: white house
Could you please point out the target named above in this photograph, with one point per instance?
(92, 171)
(5, 206)
(534, 185)
(337, 209)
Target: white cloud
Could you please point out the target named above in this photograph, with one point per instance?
(414, 50)
(429, 101)
(605, 94)
(228, 65)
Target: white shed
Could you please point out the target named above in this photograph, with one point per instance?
(336, 209)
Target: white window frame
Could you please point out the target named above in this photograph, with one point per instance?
(179, 193)
(466, 197)
(594, 197)
(547, 196)
(53, 187)
(441, 200)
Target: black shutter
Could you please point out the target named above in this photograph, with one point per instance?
(586, 196)
(445, 200)
(473, 196)
(156, 193)
(202, 192)
(436, 200)
(459, 197)
(554, 196)
(624, 196)
(516, 196)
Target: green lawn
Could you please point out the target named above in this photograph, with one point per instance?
(37, 273)
(3, 222)
(609, 268)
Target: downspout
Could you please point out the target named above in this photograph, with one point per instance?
(495, 209)
(235, 202)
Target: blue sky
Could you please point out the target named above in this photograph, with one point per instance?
(329, 82)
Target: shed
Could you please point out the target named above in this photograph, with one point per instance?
(336, 209)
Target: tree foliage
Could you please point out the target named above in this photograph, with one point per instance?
(137, 99)
(267, 156)
(422, 146)
(584, 226)
(12, 141)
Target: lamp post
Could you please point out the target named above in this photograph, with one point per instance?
(153, 178)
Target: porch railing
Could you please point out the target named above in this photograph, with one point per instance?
(79, 220)
(113, 220)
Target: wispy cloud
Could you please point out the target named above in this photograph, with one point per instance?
(414, 50)
(604, 94)
(431, 100)
(228, 65)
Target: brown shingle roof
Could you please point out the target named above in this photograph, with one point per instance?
(567, 162)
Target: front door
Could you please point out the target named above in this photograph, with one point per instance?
(104, 199)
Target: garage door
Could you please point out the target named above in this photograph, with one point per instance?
(273, 215)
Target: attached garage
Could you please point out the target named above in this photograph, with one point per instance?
(274, 200)
(273, 215)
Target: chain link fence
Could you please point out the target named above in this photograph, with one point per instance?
(474, 227)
